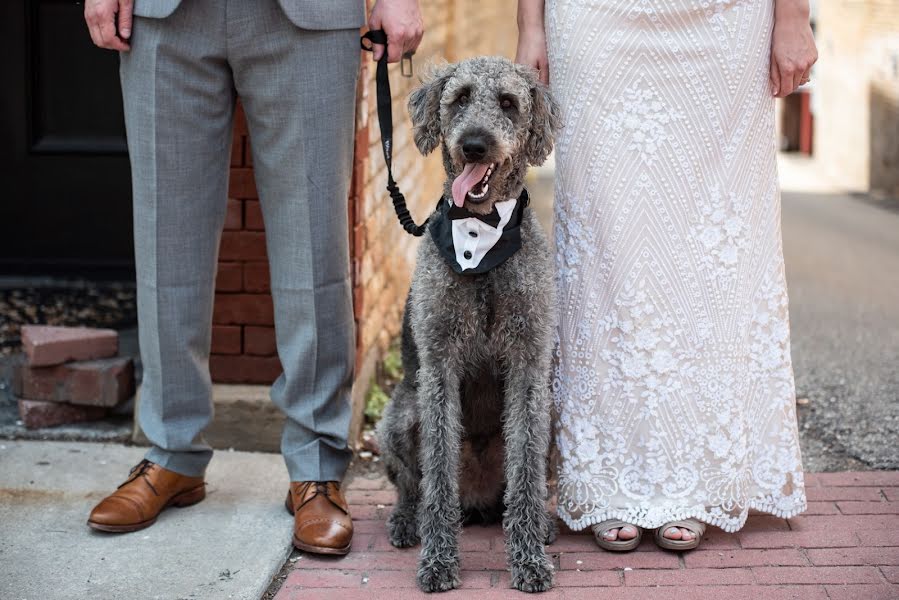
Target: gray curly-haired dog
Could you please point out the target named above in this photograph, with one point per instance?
(465, 435)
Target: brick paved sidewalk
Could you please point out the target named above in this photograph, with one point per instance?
(845, 547)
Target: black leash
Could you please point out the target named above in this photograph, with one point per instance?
(385, 122)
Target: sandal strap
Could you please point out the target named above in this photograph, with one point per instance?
(694, 526)
(610, 524)
(618, 545)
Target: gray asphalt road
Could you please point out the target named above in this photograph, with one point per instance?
(842, 257)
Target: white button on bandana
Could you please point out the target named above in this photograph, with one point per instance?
(473, 238)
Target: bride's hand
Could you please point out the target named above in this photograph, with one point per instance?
(532, 51)
(793, 50)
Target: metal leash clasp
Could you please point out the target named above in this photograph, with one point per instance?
(406, 62)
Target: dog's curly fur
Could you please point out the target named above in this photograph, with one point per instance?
(465, 435)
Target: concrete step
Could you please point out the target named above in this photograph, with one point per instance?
(245, 419)
(229, 546)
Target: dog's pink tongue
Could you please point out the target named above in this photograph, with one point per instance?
(471, 175)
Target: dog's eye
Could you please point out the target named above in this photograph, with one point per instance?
(507, 103)
(462, 100)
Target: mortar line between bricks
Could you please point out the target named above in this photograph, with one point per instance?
(806, 584)
(803, 553)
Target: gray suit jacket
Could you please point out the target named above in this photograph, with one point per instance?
(308, 14)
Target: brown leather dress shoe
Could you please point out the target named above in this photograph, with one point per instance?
(148, 491)
(322, 522)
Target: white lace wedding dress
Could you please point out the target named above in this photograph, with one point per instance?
(673, 385)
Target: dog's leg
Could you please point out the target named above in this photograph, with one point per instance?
(552, 528)
(526, 432)
(398, 435)
(402, 525)
(439, 514)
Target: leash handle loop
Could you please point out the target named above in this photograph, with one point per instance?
(385, 123)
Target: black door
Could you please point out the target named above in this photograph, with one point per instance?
(65, 206)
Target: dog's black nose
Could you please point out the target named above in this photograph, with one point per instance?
(474, 149)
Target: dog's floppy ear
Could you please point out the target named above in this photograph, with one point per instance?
(424, 108)
(546, 120)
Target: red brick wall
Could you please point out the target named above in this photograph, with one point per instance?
(243, 334)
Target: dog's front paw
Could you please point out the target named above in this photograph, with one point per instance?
(402, 529)
(535, 576)
(436, 576)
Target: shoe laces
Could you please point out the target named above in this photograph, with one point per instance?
(318, 488)
(142, 469)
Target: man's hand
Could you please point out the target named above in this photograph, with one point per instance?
(401, 21)
(101, 20)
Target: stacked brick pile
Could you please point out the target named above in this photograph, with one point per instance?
(71, 374)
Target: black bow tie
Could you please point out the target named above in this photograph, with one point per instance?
(459, 212)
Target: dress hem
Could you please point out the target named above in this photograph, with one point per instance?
(727, 525)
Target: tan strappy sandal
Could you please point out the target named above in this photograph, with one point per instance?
(615, 545)
(697, 528)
